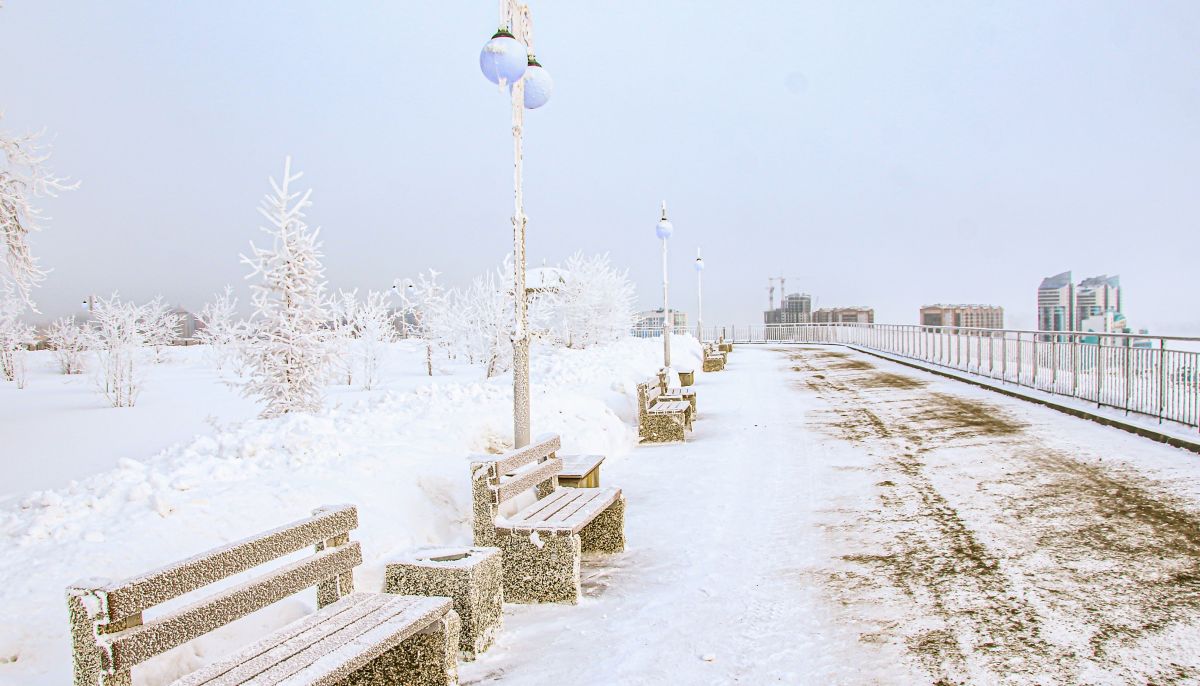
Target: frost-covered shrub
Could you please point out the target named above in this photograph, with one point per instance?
(218, 327)
(15, 335)
(425, 310)
(286, 350)
(161, 326)
(118, 336)
(593, 306)
(364, 328)
(70, 342)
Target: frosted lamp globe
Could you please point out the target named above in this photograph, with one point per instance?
(503, 58)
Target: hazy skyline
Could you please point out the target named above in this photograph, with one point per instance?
(881, 154)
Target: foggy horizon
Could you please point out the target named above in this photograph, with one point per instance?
(892, 156)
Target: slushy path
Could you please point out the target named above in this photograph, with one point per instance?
(836, 518)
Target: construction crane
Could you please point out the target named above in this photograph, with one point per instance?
(770, 294)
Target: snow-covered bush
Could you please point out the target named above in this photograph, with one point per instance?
(594, 306)
(118, 336)
(286, 351)
(486, 323)
(161, 326)
(218, 327)
(427, 304)
(23, 179)
(15, 334)
(362, 330)
(70, 342)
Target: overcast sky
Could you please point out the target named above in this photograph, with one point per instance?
(887, 154)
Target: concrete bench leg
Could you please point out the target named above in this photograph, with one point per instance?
(606, 533)
(429, 658)
(545, 573)
(663, 427)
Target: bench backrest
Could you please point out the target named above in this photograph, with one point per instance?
(509, 475)
(107, 631)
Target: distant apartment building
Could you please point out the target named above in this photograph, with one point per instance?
(844, 315)
(1056, 303)
(1097, 296)
(796, 308)
(653, 319)
(1065, 306)
(970, 316)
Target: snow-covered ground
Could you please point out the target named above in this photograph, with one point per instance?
(166, 483)
(834, 519)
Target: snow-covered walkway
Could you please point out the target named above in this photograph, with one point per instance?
(842, 519)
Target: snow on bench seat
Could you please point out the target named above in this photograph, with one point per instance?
(565, 511)
(326, 647)
(543, 542)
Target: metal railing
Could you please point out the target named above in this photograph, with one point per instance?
(1156, 376)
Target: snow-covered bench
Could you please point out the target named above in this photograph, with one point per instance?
(680, 393)
(353, 638)
(714, 359)
(661, 418)
(542, 542)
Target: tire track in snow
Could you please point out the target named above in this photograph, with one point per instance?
(1028, 566)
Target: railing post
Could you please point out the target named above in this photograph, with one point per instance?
(1162, 377)
(1100, 373)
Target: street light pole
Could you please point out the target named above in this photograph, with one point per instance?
(663, 230)
(518, 16)
(507, 60)
(699, 297)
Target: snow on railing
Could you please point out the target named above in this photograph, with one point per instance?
(1156, 376)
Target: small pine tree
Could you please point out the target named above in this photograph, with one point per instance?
(287, 350)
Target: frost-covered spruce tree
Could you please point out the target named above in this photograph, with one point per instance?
(70, 342)
(24, 179)
(218, 327)
(118, 336)
(287, 351)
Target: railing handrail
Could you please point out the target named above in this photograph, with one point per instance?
(974, 328)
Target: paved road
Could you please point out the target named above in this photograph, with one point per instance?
(837, 518)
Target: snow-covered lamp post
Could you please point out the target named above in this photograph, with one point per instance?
(663, 230)
(699, 296)
(507, 60)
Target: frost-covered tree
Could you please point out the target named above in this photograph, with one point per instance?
(287, 349)
(161, 326)
(70, 342)
(595, 305)
(118, 336)
(427, 304)
(24, 179)
(487, 319)
(363, 330)
(15, 334)
(219, 328)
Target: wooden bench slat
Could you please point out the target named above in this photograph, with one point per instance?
(549, 503)
(565, 513)
(578, 466)
(347, 648)
(333, 667)
(570, 515)
(540, 448)
(255, 658)
(523, 481)
(138, 644)
(131, 596)
(548, 513)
